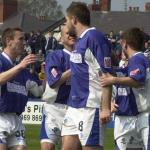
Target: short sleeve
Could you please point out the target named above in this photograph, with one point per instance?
(53, 68)
(102, 52)
(137, 69)
(105, 61)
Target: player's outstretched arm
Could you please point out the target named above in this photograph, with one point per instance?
(11, 73)
(110, 80)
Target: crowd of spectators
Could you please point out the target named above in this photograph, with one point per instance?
(115, 40)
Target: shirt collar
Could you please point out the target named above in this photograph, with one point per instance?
(84, 32)
(68, 52)
(7, 57)
(136, 53)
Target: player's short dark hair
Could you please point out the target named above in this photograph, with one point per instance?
(9, 33)
(80, 11)
(134, 38)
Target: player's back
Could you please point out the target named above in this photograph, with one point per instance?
(141, 73)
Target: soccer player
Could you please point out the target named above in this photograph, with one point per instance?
(89, 60)
(15, 82)
(57, 91)
(125, 133)
(138, 78)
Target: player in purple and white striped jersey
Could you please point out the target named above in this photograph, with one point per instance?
(138, 78)
(125, 108)
(15, 83)
(89, 60)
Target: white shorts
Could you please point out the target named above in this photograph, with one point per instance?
(53, 116)
(126, 132)
(84, 122)
(143, 126)
(11, 130)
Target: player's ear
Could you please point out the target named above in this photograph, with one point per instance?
(75, 19)
(8, 41)
(125, 45)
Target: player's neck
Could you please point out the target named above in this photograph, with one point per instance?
(132, 53)
(9, 53)
(80, 29)
(69, 48)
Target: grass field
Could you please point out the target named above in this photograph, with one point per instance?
(32, 137)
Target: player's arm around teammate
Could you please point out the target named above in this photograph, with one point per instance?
(138, 79)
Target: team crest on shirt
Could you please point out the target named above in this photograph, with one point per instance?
(54, 72)
(135, 72)
(76, 58)
(107, 62)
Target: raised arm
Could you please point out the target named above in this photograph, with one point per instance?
(11, 73)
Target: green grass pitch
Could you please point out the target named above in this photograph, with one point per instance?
(33, 142)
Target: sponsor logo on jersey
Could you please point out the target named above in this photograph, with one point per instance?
(16, 88)
(54, 72)
(135, 72)
(107, 62)
(123, 91)
(76, 58)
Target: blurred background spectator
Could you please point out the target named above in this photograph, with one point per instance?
(51, 42)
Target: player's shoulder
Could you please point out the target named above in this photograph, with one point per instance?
(55, 57)
(95, 32)
(97, 36)
(139, 56)
(4, 61)
(54, 53)
(59, 53)
(139, 59)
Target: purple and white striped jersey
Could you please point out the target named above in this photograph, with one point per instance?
(124, 96)
(90, 58)
(132, 101)
(14, 94)
(58, 62)
(139, 70)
